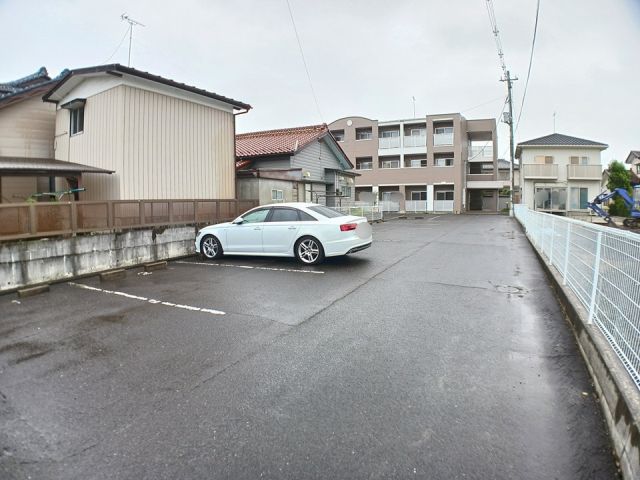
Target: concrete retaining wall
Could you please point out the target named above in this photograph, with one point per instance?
(30, 262)
(618, 395)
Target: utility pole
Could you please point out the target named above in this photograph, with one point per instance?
(508, 119)
(131, 23)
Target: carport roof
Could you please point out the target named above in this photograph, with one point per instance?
(44, 167)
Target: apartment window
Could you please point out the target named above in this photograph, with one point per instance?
(418, 132)
(419, 196)
(345, 191)
(443, 162)
(76, 116)
(364, 133)
(579, 198)
(277, 195)
(446, 195)
(544, 159)
(416, 162)
(579, 160)
(389, 163)
(389, 133)
(365, 163)
(443, 130)
(338, 135)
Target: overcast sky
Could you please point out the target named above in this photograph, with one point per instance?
(366, 57)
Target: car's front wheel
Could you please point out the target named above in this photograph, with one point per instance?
(309, 251)
(210, 247)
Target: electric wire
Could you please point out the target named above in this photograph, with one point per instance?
(304, 61)
(118, 47)
(526, 83)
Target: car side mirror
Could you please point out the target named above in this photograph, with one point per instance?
(238, 221)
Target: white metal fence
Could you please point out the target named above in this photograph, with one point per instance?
(601, 266)
(371, 212)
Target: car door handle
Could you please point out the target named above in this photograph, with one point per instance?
(257, 228)
(292, 228)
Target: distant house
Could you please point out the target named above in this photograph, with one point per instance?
(163, 139)
(633, 160)
(559, 173)
(294, 164)
(27, 128)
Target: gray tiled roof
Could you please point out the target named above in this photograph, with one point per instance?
(557, 139)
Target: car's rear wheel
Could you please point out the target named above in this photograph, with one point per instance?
(210, 247)
(309, 251)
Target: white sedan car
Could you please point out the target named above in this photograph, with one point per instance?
(307, 231)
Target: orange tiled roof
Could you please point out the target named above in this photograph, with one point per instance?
(277, 142)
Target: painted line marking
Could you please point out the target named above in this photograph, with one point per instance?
(248, 267)
(152, 301)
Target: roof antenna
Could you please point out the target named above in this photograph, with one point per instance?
(554, 122)
(131, 22)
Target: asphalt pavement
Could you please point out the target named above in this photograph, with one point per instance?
(440, 352)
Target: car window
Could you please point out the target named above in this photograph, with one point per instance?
(284, 215)
(256, 216)
(326, 211)
(305, 217)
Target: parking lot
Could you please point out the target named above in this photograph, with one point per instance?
(440, 352)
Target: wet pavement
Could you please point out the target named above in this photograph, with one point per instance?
(440, 352)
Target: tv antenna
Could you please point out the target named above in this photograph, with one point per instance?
(126, 18)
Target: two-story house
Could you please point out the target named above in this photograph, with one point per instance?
(303, 164)
(437, 163)
(559, 173)
(161, 138)
(27, 125)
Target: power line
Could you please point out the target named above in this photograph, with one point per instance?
(118, 47)
(315, 98)
(496, 34)
(526, 83)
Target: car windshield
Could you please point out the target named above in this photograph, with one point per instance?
(326, 211)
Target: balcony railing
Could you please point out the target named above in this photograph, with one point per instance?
(477, 152)
(415, 140)
(415, 206)
(389, 142)
(584, 172)
(443, 205)
(543, 171)
(442, 139)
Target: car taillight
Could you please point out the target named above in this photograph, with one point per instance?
(348, 226)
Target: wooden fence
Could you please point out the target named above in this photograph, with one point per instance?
(31, 220)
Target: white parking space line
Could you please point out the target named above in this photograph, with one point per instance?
(248, 267)
(152, 301)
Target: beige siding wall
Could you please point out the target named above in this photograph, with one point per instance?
(159, 146)
(26, 129)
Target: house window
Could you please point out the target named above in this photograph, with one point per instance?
(579, 198)
(365, 163)
(364, 133)
(76, 116)
(346, 191)
(277, 195)
(579, 160)
(418, 196)
(551, 198)
(443, 162)
(544, 159)
(389, 163)
(443, 130)
(445, 195)
(338, 135)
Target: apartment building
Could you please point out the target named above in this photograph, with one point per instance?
(437, 163)
(560, 173)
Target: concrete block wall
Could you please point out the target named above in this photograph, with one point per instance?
(30, 262)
